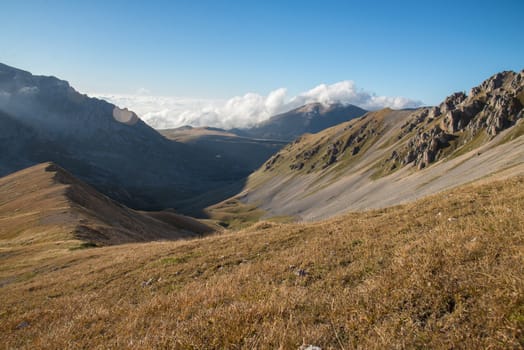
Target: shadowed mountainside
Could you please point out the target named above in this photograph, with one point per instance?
(247, 154)
(45, 119)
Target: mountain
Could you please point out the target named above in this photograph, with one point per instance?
(310, 118)
(389, 157)
(22, 146)
(246, 153)
(444, 272)
(45, 119)
(45, 203)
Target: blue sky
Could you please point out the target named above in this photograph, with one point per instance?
(422, 50)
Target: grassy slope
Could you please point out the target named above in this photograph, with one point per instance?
(443, 272)
(45, 204)
(315, 191)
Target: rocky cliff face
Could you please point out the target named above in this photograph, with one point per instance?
(490, 108)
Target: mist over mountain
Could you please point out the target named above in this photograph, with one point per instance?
(310, 118)
(250, 109)
(45, 119)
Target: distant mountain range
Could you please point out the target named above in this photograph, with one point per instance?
(310, 118)
(246, 152)
(362, 160)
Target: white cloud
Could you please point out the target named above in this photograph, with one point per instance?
(4, 97)
(29, 90)
(143, 92)
(243, 111)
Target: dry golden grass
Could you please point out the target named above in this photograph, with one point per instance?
(46, 204)
(443, 272)
(184, 134)
(232, 213)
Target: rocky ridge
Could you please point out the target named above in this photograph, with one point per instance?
(311, 153)
(435, 132)
(429, 134)
(388, 157)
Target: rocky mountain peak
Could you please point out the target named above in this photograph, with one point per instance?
(490, 108)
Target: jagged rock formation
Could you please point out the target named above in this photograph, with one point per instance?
(490, 108)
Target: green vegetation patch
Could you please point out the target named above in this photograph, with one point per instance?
(175, 260)
(233, 214)
(458, 147)
(515, 132)
(84, 245)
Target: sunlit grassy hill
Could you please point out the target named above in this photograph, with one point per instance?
(45, 204)
(442, 272)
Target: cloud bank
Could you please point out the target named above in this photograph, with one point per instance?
(244, 111)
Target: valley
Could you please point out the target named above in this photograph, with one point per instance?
(328, 224)
(443, 271)
(314, 175)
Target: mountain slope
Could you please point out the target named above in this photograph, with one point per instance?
(444, 272)
(108, 147)
(310, 118)
(22, 146)
(389, 157)
(247, 154)
(45, 204)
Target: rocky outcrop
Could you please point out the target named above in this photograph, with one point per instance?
(425, 146)
(271, 161)
(490, 108)
(331, 154)
(493, 106)
(426, 136)
(322, 154)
